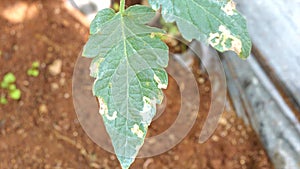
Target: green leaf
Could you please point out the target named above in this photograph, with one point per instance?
(3, 100)
(128, 64)
(35, 64)
(215, 22)
(33, 72)
(29, 72)
(12, 87)
(9, 78)
(15, 94)
(4, 85)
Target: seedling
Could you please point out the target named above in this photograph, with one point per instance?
(3, 100)
(8, 83)
(15, 94)
(129, 60)
(34, 70)
(8, 79)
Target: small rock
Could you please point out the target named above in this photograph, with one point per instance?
(206, 89)
(54, 86)
(112, 157)
(66, 23)
(224, 134)
(66, 95)
(43, 109)
(234, 142)
(57, 11)
(62, 81)
(57, 127)
(223, 121)
(15, 47)
(172, 137)
(201, 80)
(25, 83)
(21, 103)
(47, 166)
(216, 163)
(215, 138)
(20, 131)
(232, 120)
(55, 67)
(243, 160)
(50, 49)
(43, 65)
(152, 141)
(95, 165)
(75, 134)
(66, 127)
(147, 163)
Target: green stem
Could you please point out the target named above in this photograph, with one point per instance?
(122, 6)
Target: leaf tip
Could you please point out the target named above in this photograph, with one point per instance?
(125, 162)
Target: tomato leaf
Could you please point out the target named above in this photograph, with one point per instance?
(216, 22)
(128, 64)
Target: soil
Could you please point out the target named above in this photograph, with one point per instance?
(41, 130)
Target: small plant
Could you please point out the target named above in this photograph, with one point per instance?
(14, 93)
(8, 80)
(129, 58)
(3, 100)
(8, 83)
(34, 70)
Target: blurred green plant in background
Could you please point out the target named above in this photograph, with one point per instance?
(8, 83)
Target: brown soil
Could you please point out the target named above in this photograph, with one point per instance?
(41, 130)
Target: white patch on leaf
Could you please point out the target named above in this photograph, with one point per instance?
(113, 117)
(148, 107)
(220, 38)
(160, 84)
(136, 130)
(95, 67)
(104, 110)
(103, 107)
(214, 39)
(229, 8)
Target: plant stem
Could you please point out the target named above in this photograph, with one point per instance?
(122, 6)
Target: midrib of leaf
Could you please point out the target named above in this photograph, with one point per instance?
(127, 64)
(123, 27)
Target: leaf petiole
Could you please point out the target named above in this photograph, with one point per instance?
(122, 6)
